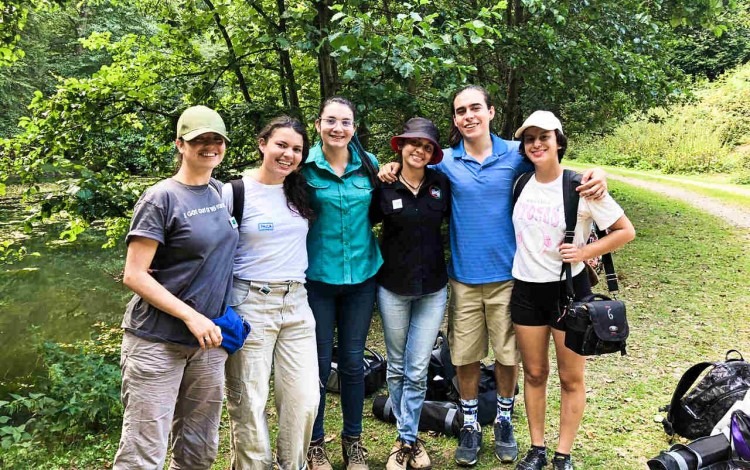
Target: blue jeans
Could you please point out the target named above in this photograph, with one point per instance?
(346, 309)
(410, 326)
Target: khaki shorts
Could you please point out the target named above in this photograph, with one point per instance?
(479, 314)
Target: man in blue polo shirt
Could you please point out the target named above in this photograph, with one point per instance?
(482, 168)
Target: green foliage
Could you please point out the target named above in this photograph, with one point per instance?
(701, 53)
(709, 135)
(108, 117)
(79, 395)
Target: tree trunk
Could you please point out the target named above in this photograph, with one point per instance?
(289, 84)
(326, 63)
(512, 116)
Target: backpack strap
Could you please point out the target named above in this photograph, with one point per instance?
(686, 381)
(238, 200)
(571, 180)
(519, 184)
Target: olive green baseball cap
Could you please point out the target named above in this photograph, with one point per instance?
(197, 120)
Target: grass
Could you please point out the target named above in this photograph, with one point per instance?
(717, 185)
(686, 282)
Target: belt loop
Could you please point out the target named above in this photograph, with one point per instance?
(264, 289)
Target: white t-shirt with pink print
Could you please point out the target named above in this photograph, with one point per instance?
(539, 223)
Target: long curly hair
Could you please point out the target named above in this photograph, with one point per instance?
(295, 184)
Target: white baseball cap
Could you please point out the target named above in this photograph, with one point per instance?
(541, 119)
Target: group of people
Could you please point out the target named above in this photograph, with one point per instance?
(304, 268)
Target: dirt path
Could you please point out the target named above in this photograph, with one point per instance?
(734, 215)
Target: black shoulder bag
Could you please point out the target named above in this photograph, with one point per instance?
(595, 324)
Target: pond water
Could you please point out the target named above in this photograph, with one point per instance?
(57, 296)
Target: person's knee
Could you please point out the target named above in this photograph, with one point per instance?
(571, 383)
(351, 364)
(535, 376)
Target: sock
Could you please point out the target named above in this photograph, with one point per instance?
(470, 408)
(504, 408)
(561, 456)
(540, 449)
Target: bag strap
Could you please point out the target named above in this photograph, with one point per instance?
(686, 381)
(571, 180)
(238, 200)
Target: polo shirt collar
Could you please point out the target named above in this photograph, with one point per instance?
(499, 147)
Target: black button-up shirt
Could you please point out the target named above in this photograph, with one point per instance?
(411, 241)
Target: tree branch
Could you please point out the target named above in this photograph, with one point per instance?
(230, 50)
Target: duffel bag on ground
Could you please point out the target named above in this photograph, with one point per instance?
(443, 417)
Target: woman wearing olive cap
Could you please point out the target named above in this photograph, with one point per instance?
(179, 264)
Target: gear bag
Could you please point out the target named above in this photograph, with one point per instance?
(693, 413)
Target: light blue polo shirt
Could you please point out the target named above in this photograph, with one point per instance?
(341, 247)
(481, 227)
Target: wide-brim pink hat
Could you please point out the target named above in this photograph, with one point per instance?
(420, 128)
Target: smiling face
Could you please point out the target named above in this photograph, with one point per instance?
(282, 154)
(203, 152)
(335, 125)
(416, 153)
(472, 115)
(540, 146)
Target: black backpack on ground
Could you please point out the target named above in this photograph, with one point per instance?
(695, 414)
(375, 367)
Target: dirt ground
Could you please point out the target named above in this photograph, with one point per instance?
(734, 215)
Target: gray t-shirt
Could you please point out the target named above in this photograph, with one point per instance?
(194, 258)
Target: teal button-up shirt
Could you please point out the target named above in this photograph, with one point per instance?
(341, 247)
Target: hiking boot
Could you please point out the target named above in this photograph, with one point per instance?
(399, 457)
(469, 444)
(506, 448)
(562, 463)
(419, 459)
(355, 454)
(535, 459)
(317, 459)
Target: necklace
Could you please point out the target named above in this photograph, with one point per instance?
(414, 189)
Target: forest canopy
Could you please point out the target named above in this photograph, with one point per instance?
(91, 89)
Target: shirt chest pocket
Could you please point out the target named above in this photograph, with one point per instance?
(358, 190)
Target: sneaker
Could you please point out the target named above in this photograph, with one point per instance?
(535, 459)
(317, 459)
(355, 454)
(419, 459)
(399, 457)
(562, 463)
(469, 444)
(506, 448)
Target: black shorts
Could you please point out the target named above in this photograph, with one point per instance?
(542, 303)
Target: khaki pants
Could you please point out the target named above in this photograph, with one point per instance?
(167, 386)
(479, 314)
(282, 341)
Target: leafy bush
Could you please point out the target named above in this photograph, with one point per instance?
(700, 137)
(79, 395)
